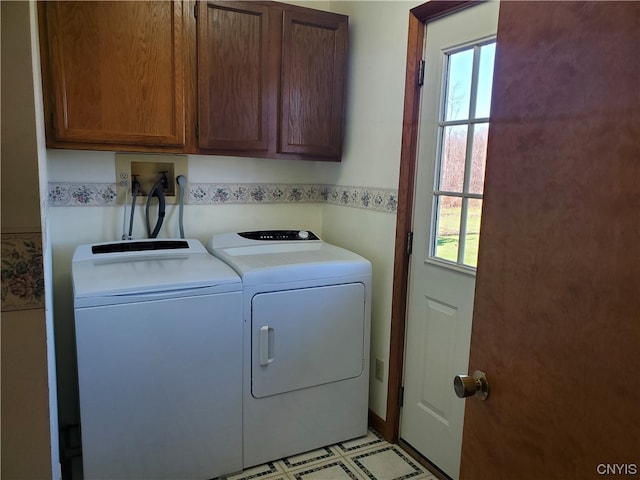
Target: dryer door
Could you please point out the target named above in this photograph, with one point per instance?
(306, 337)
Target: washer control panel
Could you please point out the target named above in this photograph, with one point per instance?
(279, 235)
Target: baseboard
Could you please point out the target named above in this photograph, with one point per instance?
(379, 425)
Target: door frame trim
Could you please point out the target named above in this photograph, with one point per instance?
(418, 18)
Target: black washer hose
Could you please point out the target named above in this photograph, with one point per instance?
(136, 188)
(156, 191)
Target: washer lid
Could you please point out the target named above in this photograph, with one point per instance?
(124, 270)
(276, 261)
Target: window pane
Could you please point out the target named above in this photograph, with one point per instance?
(459, 85)
(478, 157)
(454, 146)
(448, 234)
(472, 238)
(485, 80)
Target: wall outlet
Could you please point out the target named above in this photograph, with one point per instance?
(148, 169)
(379, 369)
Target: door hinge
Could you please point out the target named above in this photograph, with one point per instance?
(197, 130)
(421, 73)
(195, 10)
(409, 243)
(401, 396)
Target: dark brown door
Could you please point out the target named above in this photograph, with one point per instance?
(314, 49)
(233, 81)
(117, 72)
(556, 323)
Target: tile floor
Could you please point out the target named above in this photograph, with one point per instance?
(365, 458)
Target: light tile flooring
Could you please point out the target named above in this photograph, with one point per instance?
(365, 458)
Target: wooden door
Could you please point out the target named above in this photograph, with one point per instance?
(117, 72)
(556, 324)
(233, 77)
(314, 54)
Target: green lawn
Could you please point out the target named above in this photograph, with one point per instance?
(449, 227)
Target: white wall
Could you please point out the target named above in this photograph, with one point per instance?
(375, 98)
(375, 101)
(377, 56)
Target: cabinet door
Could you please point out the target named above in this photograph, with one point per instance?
(117, 72)
(232, 75)
(313, 82)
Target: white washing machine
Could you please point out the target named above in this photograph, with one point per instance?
(159, 341)
(306, 312)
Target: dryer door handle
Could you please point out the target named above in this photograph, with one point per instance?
(266, 345)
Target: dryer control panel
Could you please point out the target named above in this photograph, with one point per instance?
(279, 235)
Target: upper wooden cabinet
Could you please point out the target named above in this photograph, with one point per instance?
(233, 77)
(314, 49)
(271, 79)
(246, 78)
(114, 73)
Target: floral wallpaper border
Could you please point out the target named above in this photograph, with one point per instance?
(82, 194)
(104, 194)
(22, 271)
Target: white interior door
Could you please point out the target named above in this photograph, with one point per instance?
(448, 198)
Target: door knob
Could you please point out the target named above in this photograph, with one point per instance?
(477, 385)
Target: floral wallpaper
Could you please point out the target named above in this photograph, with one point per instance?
(82, 195)
(377, 199)
(22, 271)
(381, 200)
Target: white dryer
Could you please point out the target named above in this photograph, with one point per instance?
(159, 340)
(306, 312)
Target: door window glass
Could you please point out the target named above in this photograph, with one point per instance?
(463, 133)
